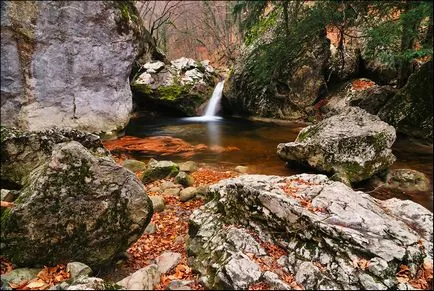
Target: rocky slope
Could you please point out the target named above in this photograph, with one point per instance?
(305, 231)
(68, 63)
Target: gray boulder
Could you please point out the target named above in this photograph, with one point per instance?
(324, 230)
(77, 269)
(18, 275)
(158, 170)
(143, 279)
(67, 63)
(157, 203)
(354, 145)
(74, 206)
(167, 261)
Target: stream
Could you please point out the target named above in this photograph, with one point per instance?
(253, 144)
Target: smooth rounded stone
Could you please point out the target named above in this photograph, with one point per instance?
(184, 179)
(187, 194)
(77, 269)
(172, 191)
(155, 189)
(77, 192)
(188, 166)
(143, 279)
(17, 275)
(151, 228)
(134, 165)
(332, 229)
(157, 203)
(353, 144)
(158, 170)
(168, 184)
(241, 169)
(202, 190)
(407, 180)
(167, 261)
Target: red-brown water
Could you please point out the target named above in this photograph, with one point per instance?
(257, 142)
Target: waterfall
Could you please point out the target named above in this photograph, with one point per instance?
(211, 108)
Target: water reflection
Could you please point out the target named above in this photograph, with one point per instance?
(213, 131)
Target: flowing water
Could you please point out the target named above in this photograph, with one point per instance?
(253, 144)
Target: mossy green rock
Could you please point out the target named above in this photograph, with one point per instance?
(353, 144)
(410, 110)
(184, 179)
(158, 170)
(74, 206)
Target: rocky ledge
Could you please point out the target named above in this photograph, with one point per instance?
(306, 231)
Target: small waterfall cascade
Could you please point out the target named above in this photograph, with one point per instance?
(211, 108)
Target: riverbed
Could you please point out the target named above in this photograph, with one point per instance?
(236, 141)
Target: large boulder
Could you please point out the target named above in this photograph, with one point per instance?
(181, 86)
(75, 202)
(410, 110)
(305, 230)
(354, 145)
(68, 63)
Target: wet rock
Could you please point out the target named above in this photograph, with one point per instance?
(167, 261)
(69, 200)
(188, 166)
(18, 275)
(354, 144)
(77, 269)
(337, 228)
(9, 195)
(143, 279)
(134, 165)
(158, 170)
(184, 179)
(241, 169)
(187, 194)
(157, 203)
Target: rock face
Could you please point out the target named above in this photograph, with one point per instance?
(67, 64)
(362, 93)
(404, 180)
(180, 87)
(284, 95)
(410, 110)
(75, 204)
(324, 235)
(354, 145)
